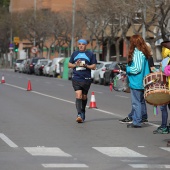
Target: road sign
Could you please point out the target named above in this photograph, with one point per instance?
(34, 50)
(16, 39)
(11, 46)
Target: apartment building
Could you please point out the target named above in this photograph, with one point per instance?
(53, 5)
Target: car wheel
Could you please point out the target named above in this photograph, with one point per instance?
(104, 81)
(94, 81)
(100, 81)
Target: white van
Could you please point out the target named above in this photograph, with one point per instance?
(54, 69)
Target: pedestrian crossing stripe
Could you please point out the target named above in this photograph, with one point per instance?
(46, 151)
(64, 166)
(109, 151)
(152, 166)
(118, 152)
(166, 149)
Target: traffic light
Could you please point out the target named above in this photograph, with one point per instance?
(16, 47)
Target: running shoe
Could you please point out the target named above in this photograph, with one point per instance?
(79, 119)
(126, 120)
(161, 130)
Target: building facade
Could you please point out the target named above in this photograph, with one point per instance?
(53, 5)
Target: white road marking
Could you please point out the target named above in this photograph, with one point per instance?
(118, 152)
(153, 166)
(15, 86)
(64, 166)
(8, 141)
(141, 146)
(127, 160)
(46, 151)
(165, 148)
(53, 97)
(104, 111)
(122, 96)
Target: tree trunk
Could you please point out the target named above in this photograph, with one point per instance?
(108, 51)
(98, 52)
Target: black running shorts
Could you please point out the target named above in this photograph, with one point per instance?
(84, 86)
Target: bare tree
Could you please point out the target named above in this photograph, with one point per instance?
(5, 30)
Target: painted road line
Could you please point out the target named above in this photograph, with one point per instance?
(165, 148)
(46, 151)
(15, 86)
(122, 96)
(53, 97)
(64, 166)
(8, 141)
(128, 161)
(118, 152)
(152, 166)
(103, 111)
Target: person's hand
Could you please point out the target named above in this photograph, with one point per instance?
(78, 62)
(85, 65)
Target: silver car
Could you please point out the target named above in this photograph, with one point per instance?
(99, 72)
(17, 64)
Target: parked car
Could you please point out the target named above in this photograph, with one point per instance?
(46, 68)
(26, 67)
(92, 71)
(17, 64)
(38, 68)
(113, 70)
(22, 66)
(32, 62)
(54, 69)
(99, 72)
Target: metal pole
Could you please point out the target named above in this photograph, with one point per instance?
(35, 8)
(11, 39)
(73, 24)
(144, 17)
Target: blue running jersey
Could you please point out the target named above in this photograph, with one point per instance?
(81, 73)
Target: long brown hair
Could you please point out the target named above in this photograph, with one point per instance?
(136, 41)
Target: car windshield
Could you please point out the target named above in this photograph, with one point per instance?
(43, 62)
(19, 61)
(35, 60)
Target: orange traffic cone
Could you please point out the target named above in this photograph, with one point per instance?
(3, 79)
(92, 102)
(29, 88)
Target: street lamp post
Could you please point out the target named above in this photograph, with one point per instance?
(73, 24)
(35, 7)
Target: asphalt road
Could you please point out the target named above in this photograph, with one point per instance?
(38, 129)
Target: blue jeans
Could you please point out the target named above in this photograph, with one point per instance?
(144, 111)
(138, 106)
(164, 115)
